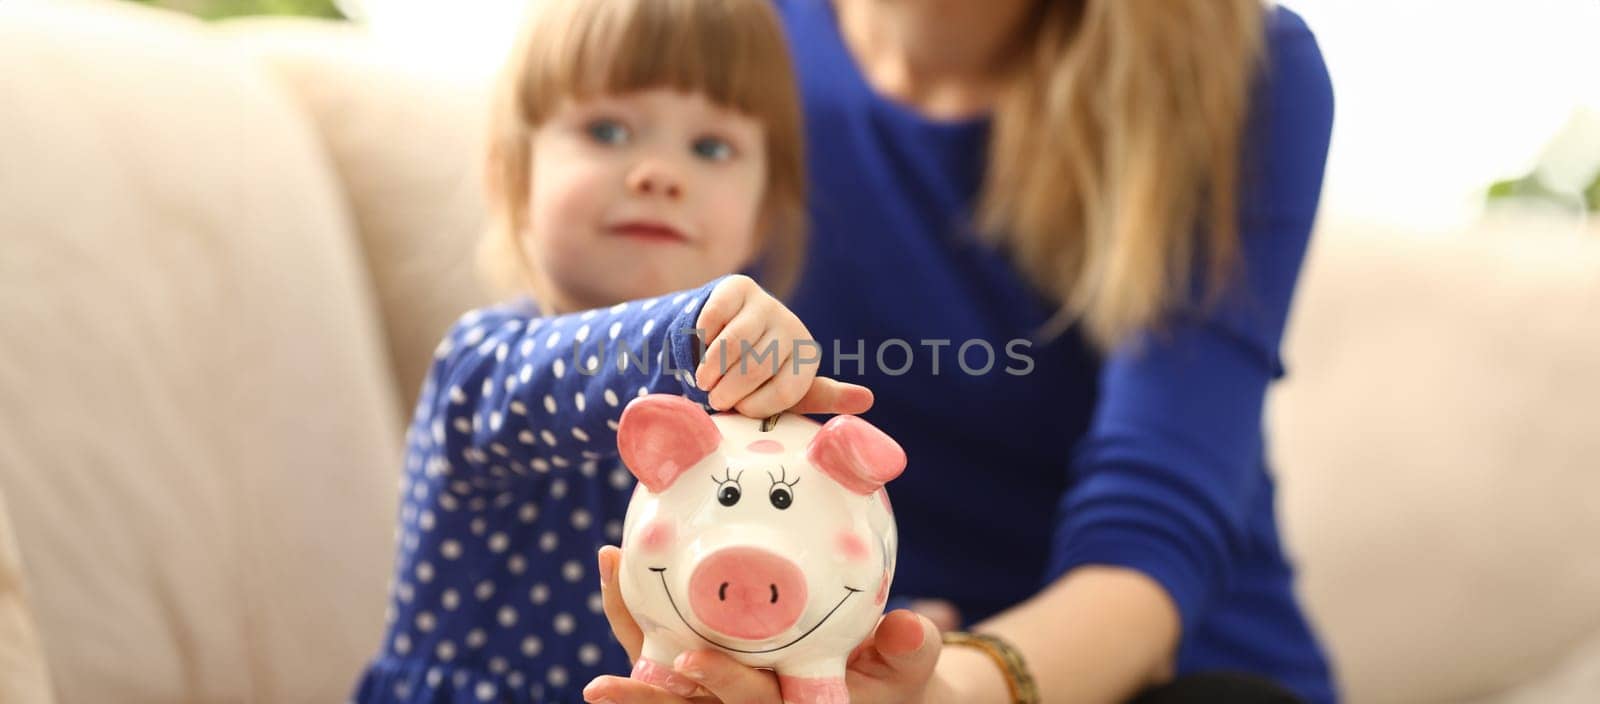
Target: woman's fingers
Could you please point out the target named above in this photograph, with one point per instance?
(942, 613)
(894, 665)
(622, 690)
(897, 662)
(906, 638)
(622, 623)
(833, 396)
(726, 679)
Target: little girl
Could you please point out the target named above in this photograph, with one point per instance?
(641, 152)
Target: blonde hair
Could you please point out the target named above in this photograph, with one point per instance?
(1114, 155)
(731, 51)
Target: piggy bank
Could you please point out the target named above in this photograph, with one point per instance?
(771, 542)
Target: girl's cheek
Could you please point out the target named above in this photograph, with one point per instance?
(568, 192)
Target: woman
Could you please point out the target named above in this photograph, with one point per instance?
(1131, 185)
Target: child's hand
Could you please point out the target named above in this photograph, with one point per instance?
(744, 322)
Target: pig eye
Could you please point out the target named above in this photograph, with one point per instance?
(728, 488)
(781, 495)
(781, 498)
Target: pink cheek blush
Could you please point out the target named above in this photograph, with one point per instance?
(883, 589)
(851, 546)
(657, 536)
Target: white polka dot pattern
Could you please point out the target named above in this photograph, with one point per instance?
(511, 483)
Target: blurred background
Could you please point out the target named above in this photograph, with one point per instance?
(221, 9)
(1416, 81)
(234, 231)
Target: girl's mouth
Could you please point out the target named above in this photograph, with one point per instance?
(647, 231)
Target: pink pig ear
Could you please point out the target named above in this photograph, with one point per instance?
(857, 455)
(661, 435)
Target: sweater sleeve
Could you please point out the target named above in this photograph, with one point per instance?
(513, 394)
(1164, 480)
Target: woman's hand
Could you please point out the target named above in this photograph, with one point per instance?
(941, 612)
(742, 322)
(894, 664)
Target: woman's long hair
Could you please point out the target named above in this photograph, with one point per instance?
(1115, 153)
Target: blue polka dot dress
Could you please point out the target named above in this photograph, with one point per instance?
(511, 485)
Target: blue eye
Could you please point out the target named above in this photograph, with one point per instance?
(712, 149)
(607, 131)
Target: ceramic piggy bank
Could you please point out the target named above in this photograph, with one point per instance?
(774, 544)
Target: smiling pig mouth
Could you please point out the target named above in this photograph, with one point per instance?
(662, 572)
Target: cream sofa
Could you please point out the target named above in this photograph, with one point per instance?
(229, 249)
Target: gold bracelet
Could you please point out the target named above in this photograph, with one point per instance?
(1018, 680)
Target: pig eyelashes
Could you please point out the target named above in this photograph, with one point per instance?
(728, 492)
(782, 492)
(780, 495)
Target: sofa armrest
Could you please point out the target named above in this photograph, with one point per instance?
(197, 431)
(1436, 441)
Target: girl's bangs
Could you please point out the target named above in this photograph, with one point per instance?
(598, 47)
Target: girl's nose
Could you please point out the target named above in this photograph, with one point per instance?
(652, 178)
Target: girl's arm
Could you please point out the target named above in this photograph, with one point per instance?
(512, 394)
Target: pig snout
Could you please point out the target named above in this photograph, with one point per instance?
(747, 593)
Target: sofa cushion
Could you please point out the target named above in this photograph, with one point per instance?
(24, 676)
(1575, 679)
(1436, 442)
(405, 133)
(200, 449)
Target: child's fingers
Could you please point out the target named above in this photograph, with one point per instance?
(777, 393)
(832, 396)
(622, 623)
(724, 304)
(752, 368)
(724, 350)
